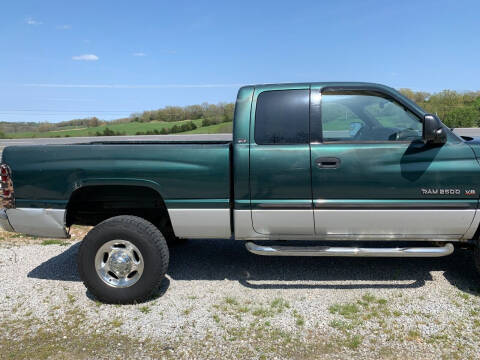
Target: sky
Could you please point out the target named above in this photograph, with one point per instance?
(61, 60)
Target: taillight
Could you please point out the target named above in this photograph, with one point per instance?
(6, 194)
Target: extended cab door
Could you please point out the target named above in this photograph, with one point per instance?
(374, 178)
(280, 176)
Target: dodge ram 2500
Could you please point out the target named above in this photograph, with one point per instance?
(315, 161)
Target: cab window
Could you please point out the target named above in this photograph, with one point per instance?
(282, 117)
(366, 116)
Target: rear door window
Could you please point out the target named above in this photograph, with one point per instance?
(282, 117)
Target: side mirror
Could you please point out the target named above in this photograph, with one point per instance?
(433, 131)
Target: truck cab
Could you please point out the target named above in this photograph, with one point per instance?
(348, 161)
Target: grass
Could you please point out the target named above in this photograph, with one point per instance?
(71, 298)
(144, 309)
(130, 128)
(353, 342)
(187, 311)
(71, 334)
(116, 323)
(349, 310)
(413, 335)
(55, 242)
(262, 311)
(231, 306)
(299, 320)
(71, 338)
(355, 316)
(279, 305)
(341, 325)
(231, 301)
(223, 128)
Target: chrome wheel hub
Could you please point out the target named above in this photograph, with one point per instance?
(119, 263)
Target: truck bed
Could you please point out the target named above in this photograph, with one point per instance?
(186, 173)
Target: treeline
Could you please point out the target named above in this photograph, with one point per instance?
(455, 109)
(209, 113)
(188, 126)
(20, 127)
(213, 114)
(109, 132)
(13, 127)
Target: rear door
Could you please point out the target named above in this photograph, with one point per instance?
(374, 178)
(280, 176)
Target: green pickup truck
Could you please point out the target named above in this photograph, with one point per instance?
(356, 165)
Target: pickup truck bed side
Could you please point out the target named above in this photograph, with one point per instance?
(193, 181)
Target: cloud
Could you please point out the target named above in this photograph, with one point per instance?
(31, 21)
(126, 86)
(64, 27)
(139, 54)
(85, 57)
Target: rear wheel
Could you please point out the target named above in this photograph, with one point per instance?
(123, 260)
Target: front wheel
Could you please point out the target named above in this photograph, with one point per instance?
(123, 260)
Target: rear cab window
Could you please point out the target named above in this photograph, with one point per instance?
(282, 117)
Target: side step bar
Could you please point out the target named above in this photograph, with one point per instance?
(433, 251)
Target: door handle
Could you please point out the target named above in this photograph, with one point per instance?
(327, 162)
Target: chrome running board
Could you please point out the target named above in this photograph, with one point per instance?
(433, 251)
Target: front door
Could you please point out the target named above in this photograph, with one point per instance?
(374, 178)
(280, 177)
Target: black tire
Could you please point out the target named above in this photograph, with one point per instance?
(149, 241)
(476, 256)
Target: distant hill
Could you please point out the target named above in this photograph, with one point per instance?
(203, 118)
(456, 109)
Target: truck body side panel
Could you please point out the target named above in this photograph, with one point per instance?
(193, 179)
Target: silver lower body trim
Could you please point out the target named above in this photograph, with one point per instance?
(376, 225)
(38, 222)
(445, 250)
(470, 233)
(201, 223)
(408, 223)
(285, 222)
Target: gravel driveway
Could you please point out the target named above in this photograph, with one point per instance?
(219, 301)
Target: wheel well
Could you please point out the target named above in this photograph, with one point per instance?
(91, 205)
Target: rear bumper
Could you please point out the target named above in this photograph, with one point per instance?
(36, 222)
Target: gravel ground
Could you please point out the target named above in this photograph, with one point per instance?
(219, 301)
